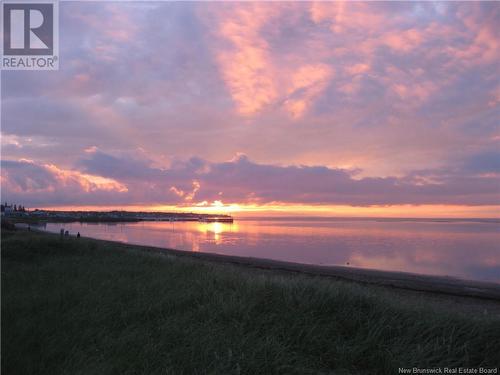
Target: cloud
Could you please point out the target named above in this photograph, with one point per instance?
(484, 162)
(306, 84)
(482, 43)
(245, 64)
(357, 69)
(406, 93)
(250, 68)
(27, 181)
(238, 181)
(404, 41)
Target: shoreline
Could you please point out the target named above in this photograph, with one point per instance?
(109, 307)
(447, 285)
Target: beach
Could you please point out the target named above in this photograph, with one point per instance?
(87, 306)
(425, 247)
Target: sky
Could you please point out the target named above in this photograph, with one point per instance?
(329, 108)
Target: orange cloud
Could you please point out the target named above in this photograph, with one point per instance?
(188, 197)
(178, 192)
(196, 186)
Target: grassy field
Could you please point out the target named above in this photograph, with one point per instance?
(80, 306)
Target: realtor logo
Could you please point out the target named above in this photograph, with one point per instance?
(30, 35)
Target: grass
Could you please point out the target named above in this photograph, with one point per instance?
(80, 306)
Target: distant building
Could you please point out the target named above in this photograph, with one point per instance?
(7, 209)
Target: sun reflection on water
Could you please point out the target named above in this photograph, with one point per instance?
(439, 248)
(216, 230)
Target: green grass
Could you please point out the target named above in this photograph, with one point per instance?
(79, 306)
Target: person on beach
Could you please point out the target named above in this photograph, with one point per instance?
(78, 235)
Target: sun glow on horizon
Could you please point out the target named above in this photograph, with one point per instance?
(355, 109)
(277, 210)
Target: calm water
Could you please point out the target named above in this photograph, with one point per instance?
(466, 249)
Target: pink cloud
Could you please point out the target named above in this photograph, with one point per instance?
(403, 41)
(386, 88)
(103, 179)
(483, 44)
(245, 65)
(409, 86)
(87, 183)
(31, 178)
(357, 69)
(249, 68)
(306, 84)
(343, 16)
(188, 197)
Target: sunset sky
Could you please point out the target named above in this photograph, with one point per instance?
(388, 109)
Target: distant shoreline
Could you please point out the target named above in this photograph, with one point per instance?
(49, 216)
